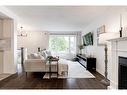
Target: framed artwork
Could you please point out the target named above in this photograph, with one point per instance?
(100, 30)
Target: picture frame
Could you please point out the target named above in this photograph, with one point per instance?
(100, 30)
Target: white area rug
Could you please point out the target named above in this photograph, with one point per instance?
(76, 70)
(3, 76)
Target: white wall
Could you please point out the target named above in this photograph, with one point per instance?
(33, 40)
(111, 21)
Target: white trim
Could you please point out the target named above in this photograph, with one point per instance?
(113, 85)
(118, 39)
(119, 50)
(62, 34)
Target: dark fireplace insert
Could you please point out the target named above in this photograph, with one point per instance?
(122, 76)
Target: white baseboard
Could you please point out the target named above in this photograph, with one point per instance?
(113, 85)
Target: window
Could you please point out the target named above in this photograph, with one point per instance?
(62, 43)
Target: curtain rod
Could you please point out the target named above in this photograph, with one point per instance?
(63, 33)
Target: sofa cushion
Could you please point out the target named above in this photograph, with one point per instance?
(35, 56)
(46, 53)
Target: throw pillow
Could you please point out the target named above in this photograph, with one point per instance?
(48, 53)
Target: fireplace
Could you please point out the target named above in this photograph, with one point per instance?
(122, 77)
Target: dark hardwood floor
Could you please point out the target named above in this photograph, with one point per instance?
(36, 81)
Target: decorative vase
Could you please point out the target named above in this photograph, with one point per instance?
(121, 32)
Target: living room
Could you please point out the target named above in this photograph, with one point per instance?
(104, 26)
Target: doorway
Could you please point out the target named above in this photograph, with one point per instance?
(20, 60)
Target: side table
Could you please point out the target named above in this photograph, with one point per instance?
(53, 59)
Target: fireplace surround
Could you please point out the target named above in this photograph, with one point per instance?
(117, 64)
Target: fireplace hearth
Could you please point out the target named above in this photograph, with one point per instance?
(122, 77)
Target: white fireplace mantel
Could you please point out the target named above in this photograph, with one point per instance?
(118, 39)
(118, 48)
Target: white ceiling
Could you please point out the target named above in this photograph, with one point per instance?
(57, 18)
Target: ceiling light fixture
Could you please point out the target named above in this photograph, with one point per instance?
(22, 32)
